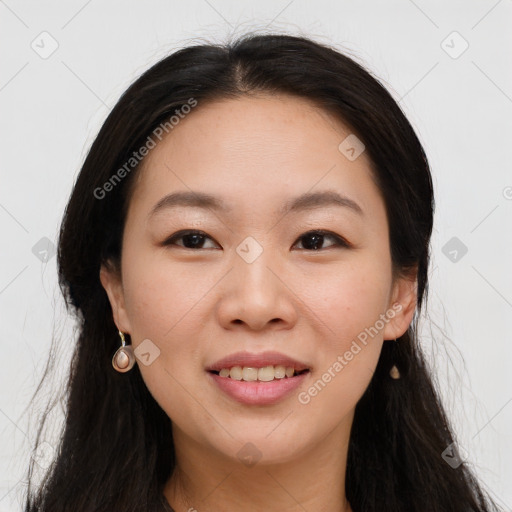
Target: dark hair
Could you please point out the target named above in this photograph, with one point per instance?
(116, 449)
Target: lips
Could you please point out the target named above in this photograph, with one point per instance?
(258, 379)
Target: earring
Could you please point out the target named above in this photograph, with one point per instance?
(394, 373)
(124, 358)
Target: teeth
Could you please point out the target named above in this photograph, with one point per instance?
(249, 374)
(279, 372)
(265, 374)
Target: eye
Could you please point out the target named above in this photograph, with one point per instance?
(315, 238)
(192, 239)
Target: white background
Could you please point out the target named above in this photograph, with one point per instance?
(53, 107)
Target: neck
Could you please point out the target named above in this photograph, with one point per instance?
(207, 481)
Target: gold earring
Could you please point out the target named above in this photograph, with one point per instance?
(123, 359)
(394, 373)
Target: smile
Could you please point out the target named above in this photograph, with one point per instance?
(264, 374)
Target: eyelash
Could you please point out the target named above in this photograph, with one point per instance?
(339, 241)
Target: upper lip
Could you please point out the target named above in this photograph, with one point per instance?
(257, 360)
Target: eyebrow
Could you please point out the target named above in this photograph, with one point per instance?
(306, 201)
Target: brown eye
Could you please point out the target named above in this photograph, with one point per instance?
(191, 239)
(313, 240)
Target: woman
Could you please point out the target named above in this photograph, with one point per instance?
(246, 249)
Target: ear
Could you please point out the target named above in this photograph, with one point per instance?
(111, 281)
(403, 304)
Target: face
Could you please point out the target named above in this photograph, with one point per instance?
(311, 282)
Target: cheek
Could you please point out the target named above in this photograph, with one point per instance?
(159, 294)
(349, 299)
(350, 306)
(160, 304)
(346, 364)
(163, 302)
(165, 307)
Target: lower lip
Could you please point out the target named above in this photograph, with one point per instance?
(258, 392)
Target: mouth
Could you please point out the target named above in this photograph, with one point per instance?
(264, 386)
(258, 379)
(266, 373)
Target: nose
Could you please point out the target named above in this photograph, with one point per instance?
(256, 296)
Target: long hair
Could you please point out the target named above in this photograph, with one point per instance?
(116, 449)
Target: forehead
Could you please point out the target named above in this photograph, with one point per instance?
(254, 150)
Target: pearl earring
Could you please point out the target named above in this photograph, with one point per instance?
(123, 359)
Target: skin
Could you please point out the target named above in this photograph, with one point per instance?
(200, 304)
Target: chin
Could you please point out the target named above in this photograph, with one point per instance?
(258, 447)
